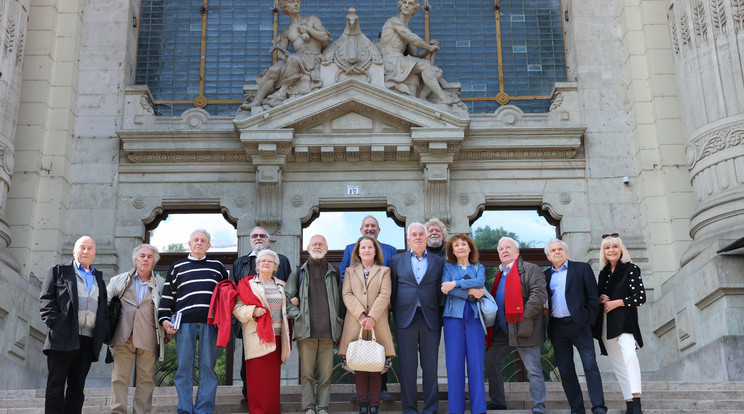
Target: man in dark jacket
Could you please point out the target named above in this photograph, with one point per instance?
(519, 290)
(73, 306)
(314, 303)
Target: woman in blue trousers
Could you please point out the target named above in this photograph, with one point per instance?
(464, 337)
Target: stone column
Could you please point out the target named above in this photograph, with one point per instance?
(13, 23)
(707, 40)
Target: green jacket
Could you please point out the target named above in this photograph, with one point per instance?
(298, 287)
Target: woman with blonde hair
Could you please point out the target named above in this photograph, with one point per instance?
(366, 293)
(621, 291)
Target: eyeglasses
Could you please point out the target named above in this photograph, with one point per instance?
(604, 236)
(259, 236)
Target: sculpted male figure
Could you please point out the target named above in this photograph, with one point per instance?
(294, 73)
(403, 60)
(188, 292)
(572, 294)
(314, 303)
(245, 266)
(519, 290)
(416, 278)
(73, 306)
(138, 336)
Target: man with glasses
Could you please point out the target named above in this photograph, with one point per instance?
(245, 266)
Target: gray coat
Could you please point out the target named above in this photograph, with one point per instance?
(301, 314)
(531, 330)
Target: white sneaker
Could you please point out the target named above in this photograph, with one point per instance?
(323, 411)
(310, 411)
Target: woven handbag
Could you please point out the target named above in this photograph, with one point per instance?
(367, 356)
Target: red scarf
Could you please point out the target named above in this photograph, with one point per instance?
(513, 300)
(263, 323)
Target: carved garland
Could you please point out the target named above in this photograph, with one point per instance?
(187, 157)
(675, 40)
(515, 154)
(712, 143)
(718, 14)
(698, 20)
(684, 29)
(738, 14)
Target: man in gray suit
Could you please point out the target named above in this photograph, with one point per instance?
(416, 278)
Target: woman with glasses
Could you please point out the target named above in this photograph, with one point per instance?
(366, 292)
(621, 291)
(261, 308)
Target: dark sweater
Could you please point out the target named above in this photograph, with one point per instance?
(188, 289)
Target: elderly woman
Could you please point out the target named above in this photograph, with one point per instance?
(464, 338)
(261, 308)
(620, 292)
(366, 293)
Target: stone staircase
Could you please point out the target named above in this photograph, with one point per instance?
(659, 397)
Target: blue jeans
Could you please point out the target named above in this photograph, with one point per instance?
(186, 338)
(530, 358)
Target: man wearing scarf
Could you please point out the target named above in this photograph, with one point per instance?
(519, 290)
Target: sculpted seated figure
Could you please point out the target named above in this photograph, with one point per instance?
(405, 65)
(294, 73)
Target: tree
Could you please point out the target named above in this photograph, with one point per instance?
(174, 248)
(488, 238)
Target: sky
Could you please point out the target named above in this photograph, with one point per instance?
(342, 228)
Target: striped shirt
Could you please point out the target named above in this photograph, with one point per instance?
(188, 289)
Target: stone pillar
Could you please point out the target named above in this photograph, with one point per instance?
(13, 23)
(707, 39)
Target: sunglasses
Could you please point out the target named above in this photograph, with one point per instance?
(259, 236)
(604, 236)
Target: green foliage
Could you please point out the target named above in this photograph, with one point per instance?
(174, 248)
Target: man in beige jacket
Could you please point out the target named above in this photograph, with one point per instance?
(138, 335)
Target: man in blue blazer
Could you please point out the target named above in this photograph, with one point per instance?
(370, 227)
(573, 302)
(73, 306)
(416, 295)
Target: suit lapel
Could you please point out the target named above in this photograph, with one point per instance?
(372, 273)
(71, 283)
(569, 276)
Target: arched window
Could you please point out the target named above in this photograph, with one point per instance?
(501, 51)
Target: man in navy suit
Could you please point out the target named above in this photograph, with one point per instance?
(416, 278)
(572, 296)
(370, 227)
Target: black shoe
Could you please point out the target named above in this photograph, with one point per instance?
(629, 407)
(493, 406)
(373, 409)
(244, 401)
(637, 405)
(363, 408)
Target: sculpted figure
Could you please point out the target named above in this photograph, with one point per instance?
(294, 73)
(405, 65)
(353, 52)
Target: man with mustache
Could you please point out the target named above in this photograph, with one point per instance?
(314, 303)
(437, 237)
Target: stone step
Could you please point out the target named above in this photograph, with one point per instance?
(660, 397)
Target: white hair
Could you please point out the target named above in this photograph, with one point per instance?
(565, 246)
(155, 253)
(202, 231)
(414, 224)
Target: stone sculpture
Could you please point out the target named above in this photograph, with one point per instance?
(297, 73)
(404, 53)
(354, 55)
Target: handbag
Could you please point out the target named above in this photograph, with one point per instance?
(367, 356)
(487, 310)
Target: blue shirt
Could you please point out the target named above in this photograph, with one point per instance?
(558, 305)
(500, 315)
(88, 276)
(419, 265)
(388, 252)
(140, 286)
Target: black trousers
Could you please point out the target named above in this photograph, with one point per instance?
(69, 367)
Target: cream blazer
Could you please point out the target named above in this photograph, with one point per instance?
(252, 346)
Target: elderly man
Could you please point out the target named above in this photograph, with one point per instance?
(370, 227)
(416, 278)
(572, 294)
(404, 63)
(73, 306)
(186, 297)
(245, 266)
(519, 290)
(314, 303)
(138, 335)
(437, 237)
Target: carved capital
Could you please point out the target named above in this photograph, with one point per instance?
(269, 205)
(714, 142)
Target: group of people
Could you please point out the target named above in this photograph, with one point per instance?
(434, 286)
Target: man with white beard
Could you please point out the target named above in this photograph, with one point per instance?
(437, 237)
(314, 303)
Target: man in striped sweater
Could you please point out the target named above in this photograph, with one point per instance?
(186, 295)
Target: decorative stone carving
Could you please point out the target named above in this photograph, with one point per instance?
(240, 202)
(464, 199)
(718, 15)
(297, 201)
(565, 198)
(409, 199)
(353, 54)
(713, 142)
(7, 159)
(673, 28)
(737, 7)
(684, 29)
(406, 69)
(138, 203)
(269, 205)
(699, 22)
(298, 73)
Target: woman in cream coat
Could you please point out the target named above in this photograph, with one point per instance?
(366, 293)
(263, 358)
